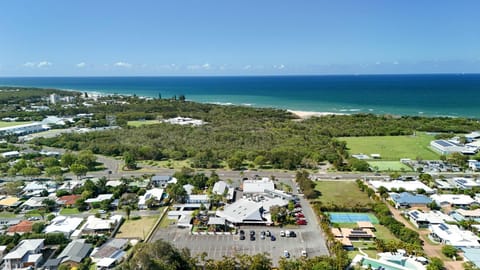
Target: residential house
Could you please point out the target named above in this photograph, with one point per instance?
(155, 193)
(36, 188)
(26, 253)
(75, 252)
(68, 200)
(110, 253)
(411, 186)
(65, 225)
(188, 188)
(462, 214)
(100, 198)
(454, 200)
(94, 225)
(33, 203)
(222, 188)
(465, 183)
(424, 219)
(452, 235)
(24, 226)
(474, 165)
(162, 180)
(407, 200)
(10, 202)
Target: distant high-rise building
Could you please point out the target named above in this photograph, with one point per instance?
(54, 98)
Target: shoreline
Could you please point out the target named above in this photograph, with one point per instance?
(309, 114)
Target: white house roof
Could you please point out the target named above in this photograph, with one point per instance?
(94, 223)
(258, 186)
(396, 184)
(34, 202)
(156, 193)
(23, 247)
(32, 186)
(455, 199)
(99, 198)
(65, 225)
(188, 188)
(453, 235)
(433, 217)
(114, 183)
(248, 209)
(219, 187)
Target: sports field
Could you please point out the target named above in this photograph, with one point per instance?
(142, 122)
(393, 147)
(11, 124)
(384, 166)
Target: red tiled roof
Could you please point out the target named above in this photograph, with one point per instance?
(69, 199)
(23, 227)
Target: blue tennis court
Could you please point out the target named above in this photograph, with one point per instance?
(343, 217)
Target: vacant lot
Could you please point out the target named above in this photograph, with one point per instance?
(383, 166)
(339, 192)
(11, 124)
(141, 123)
(136, 228)
(393, 147)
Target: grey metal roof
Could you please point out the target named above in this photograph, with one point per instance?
(75, 251)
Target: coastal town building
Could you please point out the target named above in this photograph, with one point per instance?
(407, 200)
(454, 200)
(26, 254)
(452, 235)
(424, 219)
(445, 147)
(411, 186)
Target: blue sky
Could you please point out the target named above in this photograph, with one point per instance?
(115, 38)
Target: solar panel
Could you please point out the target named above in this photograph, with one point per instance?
(443, 227)
(444, 143)
(415, 214)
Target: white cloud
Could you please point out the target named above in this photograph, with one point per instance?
(44, 64)
(378, 63)
(29, 64)
(395, 62)
(281, 66)
(247, 67)
(81, 65)
(205, 66)
(123, 65)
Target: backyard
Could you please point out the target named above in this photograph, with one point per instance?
(393, 147)
(137, 228)
(11, 124)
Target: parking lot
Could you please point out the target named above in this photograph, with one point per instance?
(308, 238)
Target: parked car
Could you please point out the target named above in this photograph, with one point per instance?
(273, 238)
(242, 235)
(262, 235)
(301, 222)
(282, 234)
(300, 215)
(304, 253)
(252, 237)
(268, 233)
(252, 233)
(286, 254)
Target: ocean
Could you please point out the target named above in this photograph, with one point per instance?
(455, 95)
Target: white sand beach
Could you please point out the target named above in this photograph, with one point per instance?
(308, 114)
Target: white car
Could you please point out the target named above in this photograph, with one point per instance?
(304, 253)
(286, 254)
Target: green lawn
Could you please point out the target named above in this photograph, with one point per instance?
(7, 215)
(389, 166)
(393, 147)
(341, 193)
(69, 211)
(11, 124)
(141, 123)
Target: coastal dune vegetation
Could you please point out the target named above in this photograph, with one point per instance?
(235, 136)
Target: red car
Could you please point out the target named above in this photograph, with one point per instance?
(301, 222)
(299, 215)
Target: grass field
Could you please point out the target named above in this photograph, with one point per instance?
(393, 147)
(137, 228)
(341, 193)
(389, 166)
(143, 122)
(11, 124)
(7, 215)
